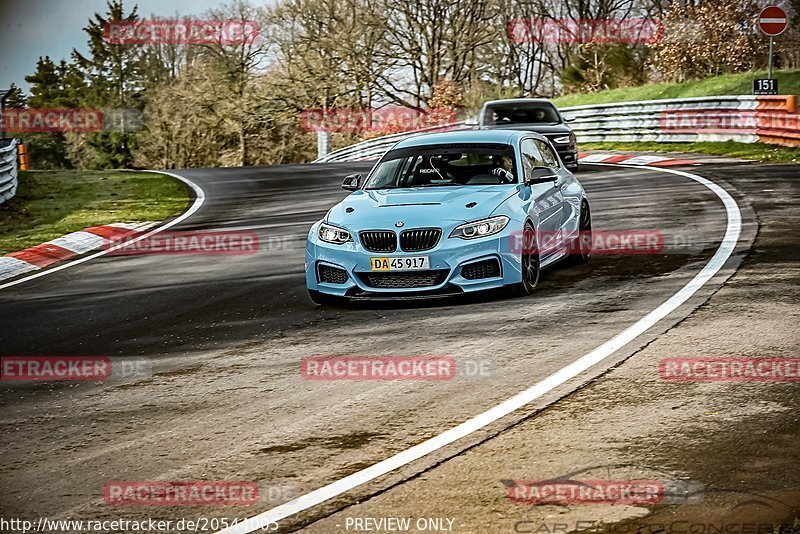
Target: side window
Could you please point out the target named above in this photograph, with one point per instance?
(531, 157)
(386, 174)
(549, 157)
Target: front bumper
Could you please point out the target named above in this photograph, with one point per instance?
(447, 262)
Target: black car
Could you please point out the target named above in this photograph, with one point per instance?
(537, 115)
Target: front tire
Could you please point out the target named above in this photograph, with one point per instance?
(529, 261)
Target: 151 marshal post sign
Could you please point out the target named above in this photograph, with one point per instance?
(772, 21)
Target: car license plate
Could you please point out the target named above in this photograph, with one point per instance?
(410, 263)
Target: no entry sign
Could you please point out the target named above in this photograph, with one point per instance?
(773, 21)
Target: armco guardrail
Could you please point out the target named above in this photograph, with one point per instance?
(746, 119)
(375, 148)
(8, 170)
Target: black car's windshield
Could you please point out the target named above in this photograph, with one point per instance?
(521, 114)
(445, 165)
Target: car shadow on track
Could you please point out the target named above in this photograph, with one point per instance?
(556, 278)
(444, 301)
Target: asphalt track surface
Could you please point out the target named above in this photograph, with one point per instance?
(224, 336)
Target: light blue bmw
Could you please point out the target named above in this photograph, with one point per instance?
(450, 213)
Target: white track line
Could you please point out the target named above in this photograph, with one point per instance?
(200, 197)
(519, 400)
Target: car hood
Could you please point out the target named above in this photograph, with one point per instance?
(418, 207)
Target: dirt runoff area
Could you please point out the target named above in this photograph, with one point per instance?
(723, 455)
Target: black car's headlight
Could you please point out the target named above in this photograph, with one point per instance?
(334, 234)
(482, 228)
(563, 140)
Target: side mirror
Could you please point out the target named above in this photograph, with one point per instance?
(350, 182)
(540, 175)
(471, 121)
(569, 117)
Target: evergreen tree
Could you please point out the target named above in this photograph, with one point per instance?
(55, 86)
(114, 81)
(52, 86)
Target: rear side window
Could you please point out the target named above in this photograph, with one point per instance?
(549, 157)
(531, 157)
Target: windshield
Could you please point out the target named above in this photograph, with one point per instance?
(445, 165)
(521, 114)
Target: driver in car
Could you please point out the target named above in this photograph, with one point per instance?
(502, 167)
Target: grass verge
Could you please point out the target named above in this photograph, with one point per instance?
(49, 204)
(727, 84)
(755, 151)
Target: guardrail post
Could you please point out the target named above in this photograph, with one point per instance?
(770, 58)
(23, 156)
(323, 144)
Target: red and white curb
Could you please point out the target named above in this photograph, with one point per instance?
(632, 159)
(65, 247)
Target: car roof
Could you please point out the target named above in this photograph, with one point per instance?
(506, 137)
(538, 101)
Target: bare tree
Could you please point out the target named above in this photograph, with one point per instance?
(435, 39)
(237, 65)
(727, 41)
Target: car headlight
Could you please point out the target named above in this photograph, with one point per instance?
(334, 234)
(482, 228)
(562, 140)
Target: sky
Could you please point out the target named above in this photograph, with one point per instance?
(33, 28)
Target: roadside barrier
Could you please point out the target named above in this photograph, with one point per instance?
(744, 118)
(8, 170)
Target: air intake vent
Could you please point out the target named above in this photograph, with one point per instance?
(331, 275)
(481, 269)
(404, 280)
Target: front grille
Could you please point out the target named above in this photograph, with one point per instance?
(379, 240)
(402, 280)
(420, 239)
(331, 275)
(481, 269)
